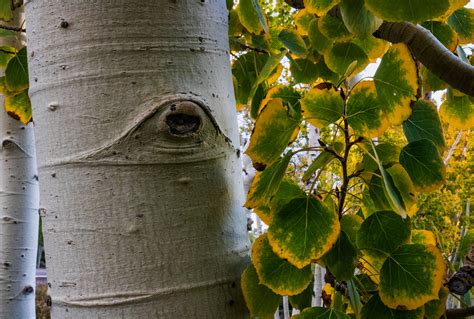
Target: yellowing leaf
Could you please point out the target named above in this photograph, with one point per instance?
(321, 107)
(462, 21)
(273, 131)
(320, 7)
(458, 111)
(372, 46)
(19, 106)
(341, 56)
(276, 273)
(334, 28)
(251, 16)
(319, 42)
(302, 20)
(364, 111)
(303, 230)
(408, 10)
(422, 236)
(396, 81)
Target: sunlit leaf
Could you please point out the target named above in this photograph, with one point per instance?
(435, 309)
(251, 16)
(375, 308)
(293, 41)
(272, 133)
(265, 184)
(276, 273)
(358, 19)
(321, 313)
(18, 106)
(396, 81)
(372, 46)
(260, 300)
(334, 28)
(444, 33)
(16, 72)
(371, 266)
(6, 12)
(422, 236)
(411, 276)
(288, 94)
(321, 107)
(302, 20)
(319, 42)
(408, 10)
(342, 55)
(268, 68)
(304, 70)
(462, 21)
(303, 230)
(423, 163)
(320, 7)
(423, 123)
(364, 111)
(341, 259)
(404, 189)
(458, 111)
(383, 232)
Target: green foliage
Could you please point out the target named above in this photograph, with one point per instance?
(371, 193)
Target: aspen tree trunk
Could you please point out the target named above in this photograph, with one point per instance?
(19, 203)
(138, 154)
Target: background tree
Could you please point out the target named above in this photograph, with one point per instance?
(19, 193)
(138, 154)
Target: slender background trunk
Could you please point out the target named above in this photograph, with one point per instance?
(19, 203)
(138, 153)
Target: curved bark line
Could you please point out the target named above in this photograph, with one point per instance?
(431, 53)
(19, 204)
(143, 198)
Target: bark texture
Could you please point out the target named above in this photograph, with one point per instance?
(138, 152)
(19, 203)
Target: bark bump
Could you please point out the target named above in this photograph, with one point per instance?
(182, 119)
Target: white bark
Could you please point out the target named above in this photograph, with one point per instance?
(137, 148)
(319, 283)
(19, 203)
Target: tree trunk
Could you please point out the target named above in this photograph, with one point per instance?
(138, 154)
(19, 203)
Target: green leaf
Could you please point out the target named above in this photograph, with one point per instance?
(341, 259)
(372, 46)
(302, 20)
(358, 19)
(6, 54)
(443, 32)
(293, 41)
(322, 160)
(320, 7)
(383, 232)
(354, 297)
(277, 274)
(403, 189)
(334, 28)
(265, 184)
(462, 21)
(302, 300)
(423, 123)
(396, 81)
(6, 13)
(260, 300)
(374, 308)
(321, 107)
(304, 70)
(245, 70)
(364, 111)
(319, 42)
(388, 154)
(350, 224)
(272, 63)
(273, 131)
(18, 106)
(257, 99)
(251, 16)
(303, 230)
(423, 163)
(342, 55)
(411, 276)
(435, 309)
(458, 111)
(430, 81)
(326, 74)
(321, 313)
(16, 72)
(289, 95)
(408, 10)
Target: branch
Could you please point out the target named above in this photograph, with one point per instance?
(429, 51)
(16, 29)
(459, 313)
(296, 4)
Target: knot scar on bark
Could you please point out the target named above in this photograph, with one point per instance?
(181, 119)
